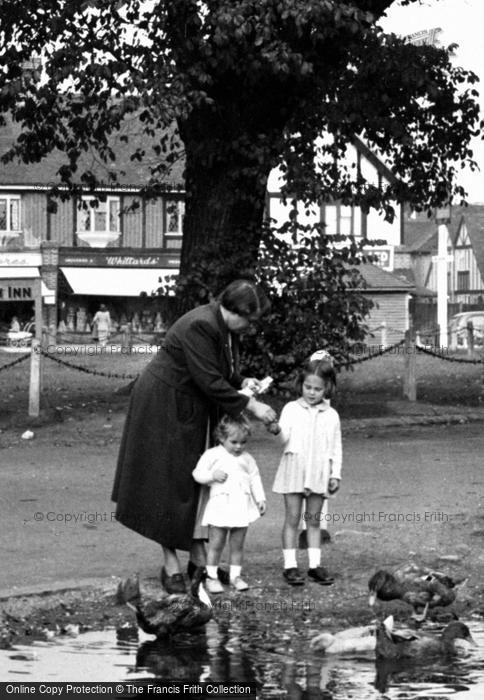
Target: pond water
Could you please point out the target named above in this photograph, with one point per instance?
(277, 660)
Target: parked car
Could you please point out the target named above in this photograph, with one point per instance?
(458, 327)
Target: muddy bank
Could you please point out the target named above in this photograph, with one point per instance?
(310, 609)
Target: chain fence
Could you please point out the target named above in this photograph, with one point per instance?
(8, 365)
(86, 370)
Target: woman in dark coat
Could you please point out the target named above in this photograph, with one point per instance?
(194, 377)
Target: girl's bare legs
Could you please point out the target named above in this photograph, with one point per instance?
(237, 539)
(314, 507)
(293, 505)
(216, 543)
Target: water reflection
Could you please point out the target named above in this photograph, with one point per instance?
(274, 654)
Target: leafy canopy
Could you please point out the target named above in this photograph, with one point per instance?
(252, 82)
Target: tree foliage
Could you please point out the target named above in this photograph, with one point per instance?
(314, 285)
(250, 84)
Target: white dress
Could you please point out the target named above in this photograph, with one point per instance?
(312, 448)
(232, 503)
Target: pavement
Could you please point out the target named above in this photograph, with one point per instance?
(406, 413)
(52, 475)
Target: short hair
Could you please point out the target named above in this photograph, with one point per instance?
(320, 368)
(226, 423)
(244, 298)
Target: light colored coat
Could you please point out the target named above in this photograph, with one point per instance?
(311, 436)
(232, 503)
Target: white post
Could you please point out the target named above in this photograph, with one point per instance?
(442, 291)
(34, 388)
(383, 331)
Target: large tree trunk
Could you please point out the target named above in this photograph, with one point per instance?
(225, 200)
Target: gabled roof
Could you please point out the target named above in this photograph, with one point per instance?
(380, 280)
(136, 173)
(473, 216)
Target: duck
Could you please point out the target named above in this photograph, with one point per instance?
(352, 640)
(169, 613)
(419, 587)
(406, 643)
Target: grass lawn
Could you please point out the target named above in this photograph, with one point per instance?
(367, 390)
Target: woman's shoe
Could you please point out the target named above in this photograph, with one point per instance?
(174, 583)
(293, 576)
(321, 576)
(222, 574)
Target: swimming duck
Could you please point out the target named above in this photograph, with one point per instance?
(169, 613)
(401, 644)
(420, 587)
(354, 639)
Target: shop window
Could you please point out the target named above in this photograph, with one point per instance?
(9, 217)
(463, 281)
(98, 225)
(174, 213)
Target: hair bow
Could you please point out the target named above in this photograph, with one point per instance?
(319, 355)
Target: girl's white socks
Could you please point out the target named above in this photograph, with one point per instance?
(211, 572)
(314, 554)
(290, 561)
(234, 572)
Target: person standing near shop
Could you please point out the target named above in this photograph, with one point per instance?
(102, 319)
(193, 379)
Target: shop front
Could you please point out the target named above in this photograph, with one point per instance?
(129, 285)
(23, 296)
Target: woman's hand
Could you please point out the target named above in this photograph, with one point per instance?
(262, 411)
(262, 507)
(333, 485)
(252, 384)
(220, 476)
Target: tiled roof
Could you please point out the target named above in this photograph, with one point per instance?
(378, 279)
(136, 173)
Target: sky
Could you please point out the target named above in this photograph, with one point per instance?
(461, 22)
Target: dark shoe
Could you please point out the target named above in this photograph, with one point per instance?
(222, 574)
(174, 583)
(321, 576)
(293, 577)
(325, 537)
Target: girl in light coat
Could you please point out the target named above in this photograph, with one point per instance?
(310, 468)
(236, 498)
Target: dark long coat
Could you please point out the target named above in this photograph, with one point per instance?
(194, 375)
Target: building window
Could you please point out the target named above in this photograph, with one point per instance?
(174, 214)
(342, 220)
(9, 213)
(98, 225)
(103, 217)
(463, 281)
(9, 218)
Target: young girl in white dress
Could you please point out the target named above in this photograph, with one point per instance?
(310, 468)
(236, 498)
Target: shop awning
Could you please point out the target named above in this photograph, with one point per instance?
(109, 282)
